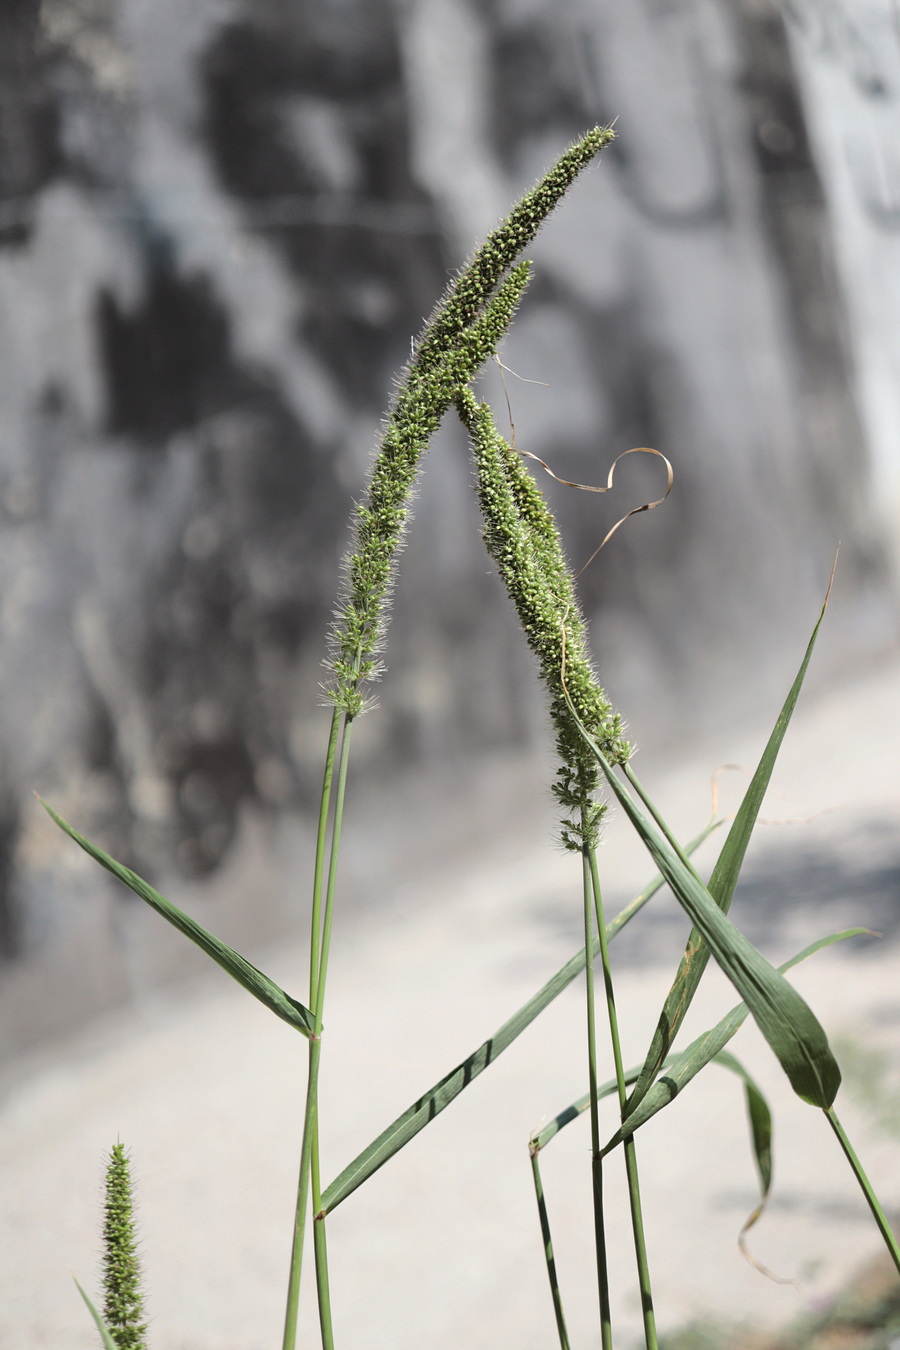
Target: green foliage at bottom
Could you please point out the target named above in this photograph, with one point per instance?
(865, 1316)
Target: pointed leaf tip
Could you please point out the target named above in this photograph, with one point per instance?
(784, 1018)
(105, 1333)
(270, 994)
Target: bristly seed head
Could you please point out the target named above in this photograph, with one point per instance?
(123, 1304)
(522, 538)
(461, 335)
(468, 292)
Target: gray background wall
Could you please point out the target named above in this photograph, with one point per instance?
(219, 227)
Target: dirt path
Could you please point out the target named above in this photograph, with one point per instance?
(442, 1248)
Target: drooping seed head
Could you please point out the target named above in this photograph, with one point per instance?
(522, 538)
(466, 295)
(381, 518)
(461, 335)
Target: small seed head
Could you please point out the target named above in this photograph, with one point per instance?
(123, 1302)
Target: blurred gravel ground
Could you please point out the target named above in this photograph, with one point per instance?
(442, 1246)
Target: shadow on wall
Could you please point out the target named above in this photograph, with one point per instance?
(217, 235)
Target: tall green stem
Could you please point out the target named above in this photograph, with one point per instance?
(596, 1160)
(631, 1167)
(320, 944)
(320, 1247)
(660, 820)
(550, 1259)
(318, 1003)
(289, 1339)
(884, 1227)
(315, 923)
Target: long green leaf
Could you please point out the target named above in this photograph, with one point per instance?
(417, 1116)
(761, 1133)
(105, 1333)
(784, 1018)
(565, 1117)
(680, 1069)
(760, 1118)
(240, 969)
(721, 884)
(757, 1108)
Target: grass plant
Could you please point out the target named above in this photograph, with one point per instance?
(593, 760)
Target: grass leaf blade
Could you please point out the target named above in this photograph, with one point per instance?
(237, 966)
(105, 1333)
(542, 1137)
(784, 1018)
(722, 882)
(680, 1069)
(760, 1118)
(417, 1116)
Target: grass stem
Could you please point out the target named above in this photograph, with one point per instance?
(320, 1247)
(631, 1167)
(561, 1330)
(289, 1339)
(320, 945)
(655, 813)
(865, 1185)
(596, 1161)
(318, 1004)
(321, 842)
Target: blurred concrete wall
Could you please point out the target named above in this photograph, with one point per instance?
(221, 223)
(847, 61)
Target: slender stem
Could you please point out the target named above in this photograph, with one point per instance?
(548, 1252)
(319, 946)
(319, 1002)
(625, 915)
(664, 828)
(320, 1248)
(596, 1162)
(631, 1167)
(600, 1241)
(289, 1340)
(594, 883)
(884, 1227)
(320, 1245)
(640, 1246)
(321, 839)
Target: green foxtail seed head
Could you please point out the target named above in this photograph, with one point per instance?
(461, 335)
(381, 518)
(123, 1302)
(523, 540)
(466, 295)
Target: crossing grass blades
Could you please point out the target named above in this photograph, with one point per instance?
(594, 761)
